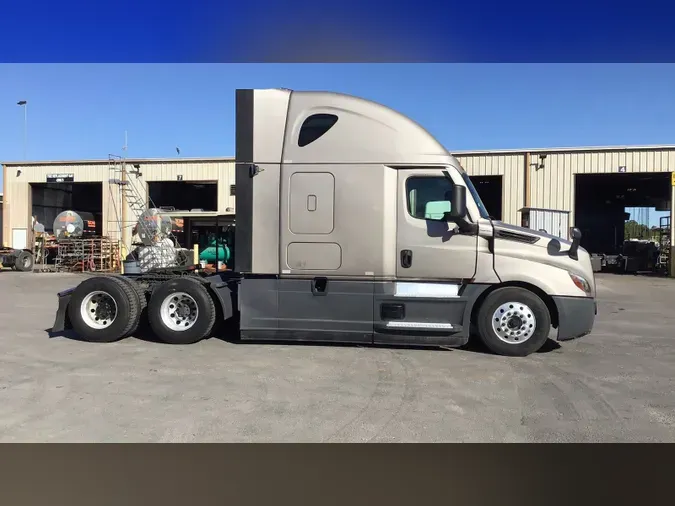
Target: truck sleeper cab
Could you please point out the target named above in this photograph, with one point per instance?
(355, 225)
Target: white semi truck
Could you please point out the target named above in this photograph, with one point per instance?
(354, 225)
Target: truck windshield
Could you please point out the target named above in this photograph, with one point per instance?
(474, 193)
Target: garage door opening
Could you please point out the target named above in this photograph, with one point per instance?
(490, 191)
(184, 195)
(50, 199)
(619, 216)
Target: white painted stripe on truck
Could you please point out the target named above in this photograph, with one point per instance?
(427, 290)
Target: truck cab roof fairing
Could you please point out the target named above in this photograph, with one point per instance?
(365, 132)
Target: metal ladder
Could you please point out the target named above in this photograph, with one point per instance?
(131, 195)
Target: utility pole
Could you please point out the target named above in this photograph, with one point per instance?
(24, 104)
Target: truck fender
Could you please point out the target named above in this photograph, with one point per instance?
(526, 284)
(526, 279)
(224, 296)
(219, 290)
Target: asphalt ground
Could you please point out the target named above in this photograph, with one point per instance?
(614, 385)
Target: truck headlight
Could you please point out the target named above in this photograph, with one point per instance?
(581, 283)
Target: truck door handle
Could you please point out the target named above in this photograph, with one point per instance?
(406, 258)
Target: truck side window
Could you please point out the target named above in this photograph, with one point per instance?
(428, 196)
(314, 127)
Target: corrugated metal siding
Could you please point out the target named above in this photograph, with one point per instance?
(552, 222)
(553, 186)
(18, 191)
(512, 169)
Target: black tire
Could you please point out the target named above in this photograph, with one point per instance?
(206, 311)
(140, 290)
(128, 309)
(23, 262)
(142, 299)
(537, 319)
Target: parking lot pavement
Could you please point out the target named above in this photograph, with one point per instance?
(616, 384)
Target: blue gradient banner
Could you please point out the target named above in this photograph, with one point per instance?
(268, 31)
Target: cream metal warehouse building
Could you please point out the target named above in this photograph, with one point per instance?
(593, 185)
(46, 188)
(545, 178)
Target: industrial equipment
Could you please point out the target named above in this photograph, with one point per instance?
(72, 224)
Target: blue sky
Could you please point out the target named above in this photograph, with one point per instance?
(82, 111)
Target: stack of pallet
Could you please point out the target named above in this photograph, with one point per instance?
(91, 254)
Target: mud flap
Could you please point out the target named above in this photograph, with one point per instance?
(61, 322)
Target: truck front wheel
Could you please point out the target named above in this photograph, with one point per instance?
(181, 311)
(514, 322)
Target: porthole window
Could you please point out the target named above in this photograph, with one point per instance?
(314, 127)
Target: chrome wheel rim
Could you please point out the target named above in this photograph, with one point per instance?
(98, 310)
(179, 311)
(514, 322)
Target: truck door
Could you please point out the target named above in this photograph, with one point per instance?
(428, 246)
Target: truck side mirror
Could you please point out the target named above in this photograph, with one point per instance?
(458, 210)
(576, 239)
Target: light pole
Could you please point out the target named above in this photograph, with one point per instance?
(24, 104)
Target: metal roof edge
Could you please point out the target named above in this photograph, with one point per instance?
(127, 160)
(581, 149)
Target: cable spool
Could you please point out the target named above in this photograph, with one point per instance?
(70, 224)
(153, 227)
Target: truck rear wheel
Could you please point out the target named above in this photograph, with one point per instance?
(514, 322)
(142, 299)
(104, 309)
(181, 311)
(23, 261)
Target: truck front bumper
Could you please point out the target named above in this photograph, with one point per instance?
(61, 322)
(576, 316)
